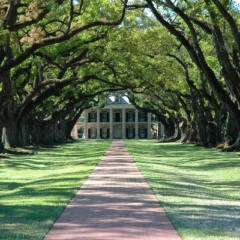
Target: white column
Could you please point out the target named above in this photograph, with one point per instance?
(111, 124)
(85, 124)
(162, 130)
(149, 126)
(123, 123)
(136, 124)
(75, 131)
(98, 123)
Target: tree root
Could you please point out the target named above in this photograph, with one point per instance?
(220, 146)
(173, 139)
(233, 148)
(203, 144)
(7, 151)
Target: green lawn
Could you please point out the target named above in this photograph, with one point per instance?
(199, 188)
(34, 189)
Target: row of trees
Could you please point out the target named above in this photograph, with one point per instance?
(177, 59)
(46, 57)
(201, 97)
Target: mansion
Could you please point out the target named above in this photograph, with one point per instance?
(119, 119)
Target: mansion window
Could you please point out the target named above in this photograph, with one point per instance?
(130, 116)
(142, 117)
(117, 99)
(93, 116)
(93, 133)
(142, 133)
(130, 132)
(104, 116)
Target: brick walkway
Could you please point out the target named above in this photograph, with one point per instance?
(115, 202)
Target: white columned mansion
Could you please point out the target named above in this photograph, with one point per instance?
(119, 119)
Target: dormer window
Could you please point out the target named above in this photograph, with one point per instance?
(117, 99)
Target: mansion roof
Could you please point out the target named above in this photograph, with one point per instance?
(120, 100)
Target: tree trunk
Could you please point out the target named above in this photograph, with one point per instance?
(211, 127)
(35, 133)
(60, 131)
(69, 128)
(24, 135)
(63, 129)
(185, 132)
(220, 117)
(193, 136)
(231, 134)
(175, 137)
(169, 128)
(202, 130)
(211, 132)
(12, 133)
(1, 137)
(47, 135)
(57, 133)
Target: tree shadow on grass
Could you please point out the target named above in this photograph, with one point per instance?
(195, 187)
(43, 164)
(192, 216)
(80, 154)
(202, 158)
(3, 157)
(35, 189)
(41, 187)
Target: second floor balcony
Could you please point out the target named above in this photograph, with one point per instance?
(117, 119)
(94, 120)
(130, 117)
(142, 117)
(80, 120)
(104, 117)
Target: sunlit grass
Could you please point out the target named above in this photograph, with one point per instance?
(199, 188)
(34, 189)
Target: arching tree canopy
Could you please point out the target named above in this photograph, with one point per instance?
(176, 59)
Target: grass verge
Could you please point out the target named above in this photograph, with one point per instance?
(34, 189)
(198, 187)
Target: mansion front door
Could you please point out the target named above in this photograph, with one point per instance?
(117, 131)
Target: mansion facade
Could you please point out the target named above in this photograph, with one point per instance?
(117, 120)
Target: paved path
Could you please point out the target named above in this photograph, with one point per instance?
(114, 203)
